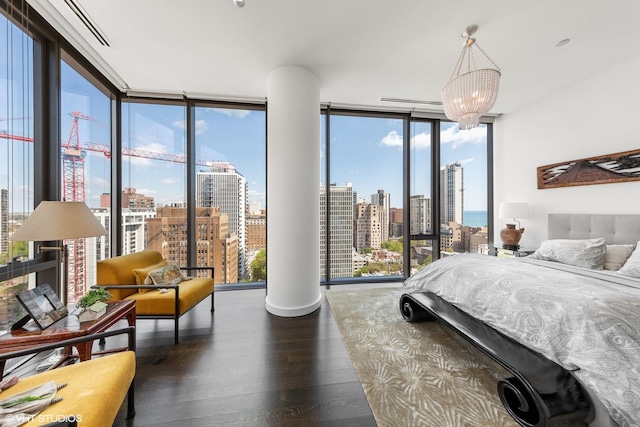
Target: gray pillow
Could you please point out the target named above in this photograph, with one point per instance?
(616, 256)
(585, 253)
(632, 266)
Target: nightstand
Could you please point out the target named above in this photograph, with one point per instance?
(510, 253)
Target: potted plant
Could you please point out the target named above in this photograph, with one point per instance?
(93, 304)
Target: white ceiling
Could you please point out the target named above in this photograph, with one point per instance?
(361, 50)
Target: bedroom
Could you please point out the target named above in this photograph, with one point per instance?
(593, 115)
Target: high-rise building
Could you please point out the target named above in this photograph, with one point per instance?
(452, 239)
(253, 208)
(4, 220)
(478, 240)
(383, 200)
(130, 200)
(133, 237)
(136, 208)
(396, 222)
(225, 188)
(420, 215)
(452, 193)
(215, 245)
(368, 228)
(256, 232)
(341, 218)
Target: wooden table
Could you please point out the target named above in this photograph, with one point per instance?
(69, 327)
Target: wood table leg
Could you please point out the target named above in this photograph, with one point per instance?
(84, 350)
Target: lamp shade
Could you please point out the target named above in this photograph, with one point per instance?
(514, 210)
(53, 220)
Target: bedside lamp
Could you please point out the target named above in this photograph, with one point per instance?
(511, 235)
(53, 220)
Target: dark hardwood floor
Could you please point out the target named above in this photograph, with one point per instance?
(242, 366)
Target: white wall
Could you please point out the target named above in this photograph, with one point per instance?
(598, 116)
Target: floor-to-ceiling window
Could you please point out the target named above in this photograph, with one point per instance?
(85, 147)
(421, 230)
(16, 163)
(365, 189)
(230, 191)
(154, 195)
(463, 189)
(400, 188)
(324, 232)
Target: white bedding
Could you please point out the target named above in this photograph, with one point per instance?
(586, 321)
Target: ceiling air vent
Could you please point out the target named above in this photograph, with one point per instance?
(88, 22)
(410, 101)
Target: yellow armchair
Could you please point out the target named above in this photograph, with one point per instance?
(95, 388)
(119, 276)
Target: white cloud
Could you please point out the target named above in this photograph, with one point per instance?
(201, 125)
(466, 161)
(151, 148)
(146, 191)
(169, 181)
(455, 136)
(100, 181)
(392, 139)
(256, 195)
(238, 114)
(421, 141)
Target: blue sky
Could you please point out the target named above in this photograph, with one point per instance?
(367, 152)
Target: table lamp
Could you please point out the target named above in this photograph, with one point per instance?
(511, 235)
(54, 220)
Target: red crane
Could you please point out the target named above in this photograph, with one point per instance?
(74, 154)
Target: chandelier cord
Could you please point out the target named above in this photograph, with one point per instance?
(471, 59)
(487, 56)
(456, 69)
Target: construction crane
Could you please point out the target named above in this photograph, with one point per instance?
(74, 154)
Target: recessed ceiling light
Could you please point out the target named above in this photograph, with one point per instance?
(239, 3)
(562, 42)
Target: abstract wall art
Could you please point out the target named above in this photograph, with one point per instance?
(606, 169)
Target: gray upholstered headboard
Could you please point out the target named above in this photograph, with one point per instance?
(617, 229)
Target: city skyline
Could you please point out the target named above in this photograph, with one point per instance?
(231, 135)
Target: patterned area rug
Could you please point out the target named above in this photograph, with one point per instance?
(416, 374)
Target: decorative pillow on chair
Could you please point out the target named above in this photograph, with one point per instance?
(142, 274)
(632, 266)
(168, 275)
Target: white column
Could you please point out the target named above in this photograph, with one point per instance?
(293, 201)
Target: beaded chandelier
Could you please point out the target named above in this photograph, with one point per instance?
(469, 95)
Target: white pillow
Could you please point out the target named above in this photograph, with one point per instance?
(616, 256)
(632, 266)
(585, 253)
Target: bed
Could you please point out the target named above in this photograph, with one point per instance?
(564, 327)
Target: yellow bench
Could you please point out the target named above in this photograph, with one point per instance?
(95, 388)
(117, 274)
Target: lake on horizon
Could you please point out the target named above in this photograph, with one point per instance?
(475, 218)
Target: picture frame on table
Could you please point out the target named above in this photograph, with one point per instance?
(42, 305)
